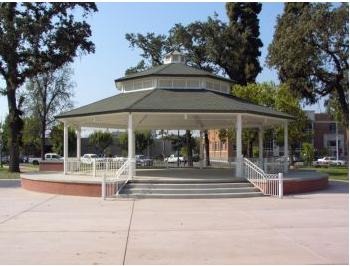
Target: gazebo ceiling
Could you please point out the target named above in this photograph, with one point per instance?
(173, 109)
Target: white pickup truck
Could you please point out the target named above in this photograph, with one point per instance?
(173, 159)
(52, 157)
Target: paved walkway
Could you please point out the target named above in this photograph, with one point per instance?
(49, 229)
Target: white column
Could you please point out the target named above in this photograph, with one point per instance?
(286, 146)
(78, 132)
(201, 149)
(205, 151)
(336, 140)
(131, 145)
(261, 144)
(65, 147)
(239, 159)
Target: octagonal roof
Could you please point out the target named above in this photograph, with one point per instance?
(173, 100)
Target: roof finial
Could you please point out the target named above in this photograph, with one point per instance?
(174, 57)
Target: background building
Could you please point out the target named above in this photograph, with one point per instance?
(325, 131)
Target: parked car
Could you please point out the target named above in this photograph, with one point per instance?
(338, 162)
(173, 159)
(52, 157)
(88, 158)
(118, 158)
(5, 159)
(327, 161)
(141, 160)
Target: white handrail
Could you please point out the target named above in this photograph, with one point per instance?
(111, 186)
(269, 184)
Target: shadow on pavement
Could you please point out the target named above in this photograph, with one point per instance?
(10, 183)
(337, 187)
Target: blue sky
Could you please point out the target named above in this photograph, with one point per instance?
(95, 73)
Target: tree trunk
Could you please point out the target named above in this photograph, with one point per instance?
(189, 148)
(42, 140)
(344, 105)
(291, 154)
(15, 128)
(206, 144)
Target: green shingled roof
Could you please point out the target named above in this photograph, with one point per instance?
(173, 100)
(173, 70)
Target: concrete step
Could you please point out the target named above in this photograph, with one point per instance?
(188, 185)
(128, 190)
(192, 196)
(173, 188)
(187, 180)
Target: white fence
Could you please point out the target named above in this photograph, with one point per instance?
(94, 167)
(217, 163)
(269, 184)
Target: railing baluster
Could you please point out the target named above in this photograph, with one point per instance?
(269, 184)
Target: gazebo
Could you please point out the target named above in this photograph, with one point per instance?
(173, 96)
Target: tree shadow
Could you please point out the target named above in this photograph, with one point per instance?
(10, 183)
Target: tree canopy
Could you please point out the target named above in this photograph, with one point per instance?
(310, 51)
(34, 38)
(230, 48)
(47, 95)
(56, 136)
(281, 99)
(101, 140)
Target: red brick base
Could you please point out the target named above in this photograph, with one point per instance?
(50, 166)
(63, 188)
(292, 186)
(306, 185)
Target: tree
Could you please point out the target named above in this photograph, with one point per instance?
(123, 142)
(286, 102)
(163, 136)
(31, 136)
(143, 140)
(48, 94)
(308, 153)
(5, 134)
(35, 38)
(310, 50)
(151, 45)
(56, 136)
(101, 140)
(281, 99)
(243, 18)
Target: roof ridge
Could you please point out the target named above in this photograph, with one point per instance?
(140, 72)
(139, 100)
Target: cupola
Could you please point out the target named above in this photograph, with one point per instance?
(174, 57)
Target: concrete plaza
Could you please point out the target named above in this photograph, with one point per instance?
(37, 228)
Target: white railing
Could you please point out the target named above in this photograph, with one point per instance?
(111, 186)
(271, 165)
(223, 163)
(94, 167)
(269, 184)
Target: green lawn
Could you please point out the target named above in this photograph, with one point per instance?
(5, 174)
(335, 173)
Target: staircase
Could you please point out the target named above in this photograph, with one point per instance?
(191, 188)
